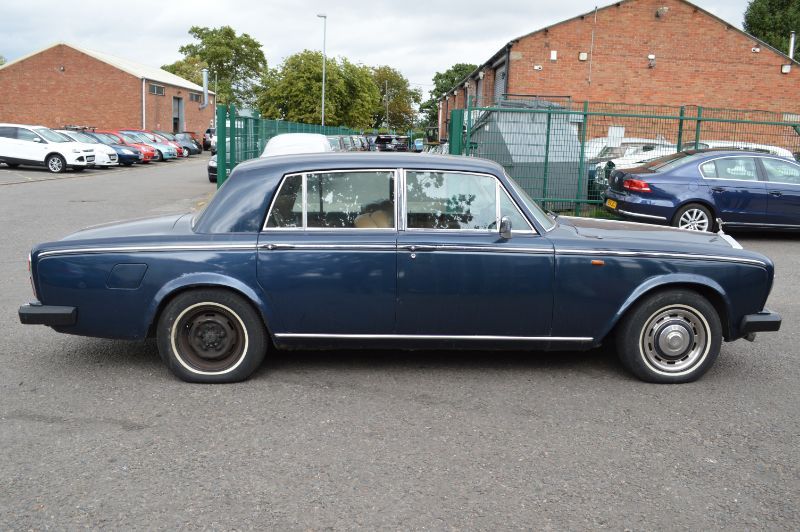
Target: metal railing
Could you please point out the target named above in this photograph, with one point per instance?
(559, 151)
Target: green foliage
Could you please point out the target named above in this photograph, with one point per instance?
(294, 91)
(443, 82)
(237, 61)
(190, 68)
(2, 60)
(772, 21)
(402, 98)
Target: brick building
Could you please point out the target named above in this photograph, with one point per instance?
(658, 52)
(66, 85)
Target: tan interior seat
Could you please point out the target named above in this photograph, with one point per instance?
(373, 219)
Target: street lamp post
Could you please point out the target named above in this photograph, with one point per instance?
(324, 18)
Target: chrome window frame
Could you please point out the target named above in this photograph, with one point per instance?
(753, 157)
(783, 160)
(498, 187)
(304, 187)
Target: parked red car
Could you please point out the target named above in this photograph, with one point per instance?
(156, 137)
(148, 153)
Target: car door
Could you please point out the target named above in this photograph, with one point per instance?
(739, 195)
(31, 146)
(783, 189)
(457, 277)
(327, 254)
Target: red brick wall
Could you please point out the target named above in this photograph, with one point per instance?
(699, 61)
(63, 86)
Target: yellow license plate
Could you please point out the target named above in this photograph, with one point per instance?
(611, 204)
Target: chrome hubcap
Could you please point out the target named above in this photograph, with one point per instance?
(55, 164)
(694, 219)
(675, 339)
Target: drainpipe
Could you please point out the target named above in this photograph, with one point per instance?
(791, 46)
(508, 68)
(144, 94)
(205, 89)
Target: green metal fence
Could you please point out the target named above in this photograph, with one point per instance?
(241, 137)
(559, 151)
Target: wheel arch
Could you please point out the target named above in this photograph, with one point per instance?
(695, 200)
(706, 287)
(207, 280)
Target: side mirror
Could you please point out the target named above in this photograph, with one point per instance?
(505, 227)
(37, 139)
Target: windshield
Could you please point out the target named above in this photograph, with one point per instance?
(544, 220)
(611, 152)
(668, 162)
(136, 137)
(169, 136)
(83, 137)
(52, 136)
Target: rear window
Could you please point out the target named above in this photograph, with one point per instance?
(674, 160)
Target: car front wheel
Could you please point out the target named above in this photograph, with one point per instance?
(56, 164)
(211, 336)
(670, 337)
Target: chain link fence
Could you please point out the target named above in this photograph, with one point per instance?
(561, 151)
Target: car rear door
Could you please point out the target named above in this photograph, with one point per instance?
(457, 278)
(327, 254)
(734, 183)
(783, 189)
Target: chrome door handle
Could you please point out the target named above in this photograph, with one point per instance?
(776, 193)
(717, 189)
(417, 247)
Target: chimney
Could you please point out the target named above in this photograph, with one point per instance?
(205, 87)
(791, 46)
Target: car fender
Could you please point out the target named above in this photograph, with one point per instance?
(676, 280)
(207, 280)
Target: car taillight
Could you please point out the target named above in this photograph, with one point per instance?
(636, 185)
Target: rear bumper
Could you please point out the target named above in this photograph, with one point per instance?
(37, 314)
(764, 321)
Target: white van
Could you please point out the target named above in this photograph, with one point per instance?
(40, 146)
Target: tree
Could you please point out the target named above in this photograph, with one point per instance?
(190, 68)
(442, 83)
(2, 60)
(294, 91)
(237, 62)
(772, 21)
(401, 97)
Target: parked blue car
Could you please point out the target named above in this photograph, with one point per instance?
(127, 155)
(382, 250)
(693, 189)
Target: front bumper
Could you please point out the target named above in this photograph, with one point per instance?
(764, 321)
(54, 316)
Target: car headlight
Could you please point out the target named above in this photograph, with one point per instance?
(212, 163)
(126, 151)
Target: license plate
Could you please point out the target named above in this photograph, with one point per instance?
(611, 204)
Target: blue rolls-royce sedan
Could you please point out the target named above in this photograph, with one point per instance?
(381, 250)
(694, 189)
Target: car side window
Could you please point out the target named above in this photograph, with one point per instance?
(740, 168)
(450, 200)
(335, 200)
(8, 132)
(781, 171)
(26, 134)
(708, 169)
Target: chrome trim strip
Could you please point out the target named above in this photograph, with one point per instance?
(755, 224)
(476, 249)
(582, 339)
(328, 247)
(146, 249)
(637, 215)
(658, 255)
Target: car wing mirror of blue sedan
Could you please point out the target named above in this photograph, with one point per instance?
(505, 227)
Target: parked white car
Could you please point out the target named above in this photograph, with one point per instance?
(105, 156)
(290, 143)
(40, 146)
(738, 145)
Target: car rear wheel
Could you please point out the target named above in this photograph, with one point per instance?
(211, 336)
(56, 163)
(695, 217)
(158, 156)
(670, 337)
(12, 165)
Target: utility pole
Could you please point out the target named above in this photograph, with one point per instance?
(324, 18)
(386, 97)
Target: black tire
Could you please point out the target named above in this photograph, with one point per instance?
(127, 164)
(12, 165)
(211, 335)
(159, 156)
(55, 164)
(212, 179)
(695, 217)
(670, 337)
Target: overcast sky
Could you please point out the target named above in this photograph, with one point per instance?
(418, 38)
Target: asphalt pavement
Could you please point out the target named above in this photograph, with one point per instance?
(98, 434)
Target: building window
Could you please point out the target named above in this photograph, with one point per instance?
(156, 89)
(194, 97)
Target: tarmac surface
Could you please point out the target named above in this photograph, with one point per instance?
(97, 433)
